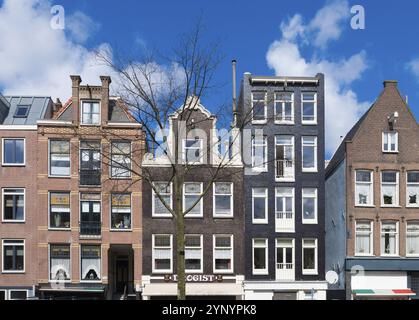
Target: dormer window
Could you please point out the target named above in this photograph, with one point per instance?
(90, 112)
(390, 142)
(22, 111)
(192, 151)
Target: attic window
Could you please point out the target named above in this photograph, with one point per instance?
(22, 111)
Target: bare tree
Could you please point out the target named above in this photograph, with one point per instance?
(155, 94)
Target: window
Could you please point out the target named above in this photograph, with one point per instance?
(284, 221)
(412, 189)
(390, 142)
(121, 211)
(60, 262)
(309, 256)
(259, 153)
(3, 295)
(90, 262)
(90, 214)
(389, 238)
(121, 159)
(259, 107)
(284, 259)
(364, 188)
(13, 205)
(309, 108)
(90, 163)
(260, 205)
(13, 256)
(223, 199)
(22, 111)
(193, 151)
(284, 156)
(59, 210)
(162, 253)
(412, 239)
(13, 152)
(90, 113)
(192, 191)
(309, 205)
(193, 253)
(260, 256)
(284, 109)
(18, 294)
(223, 253)
(363, 238)
(164, 189)
(59, 158)
(389, 188)
(309, 150)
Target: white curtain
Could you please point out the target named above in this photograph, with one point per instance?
(363, 243)
(162, 254)
(389, 191)
(58, 265)
(90, 264)
(413, 243)
(222, 254)
(413, 191)
(193, 254)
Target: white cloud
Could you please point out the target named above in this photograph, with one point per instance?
(284, 56)
(81, 26)
(36, 59)
(413, 67)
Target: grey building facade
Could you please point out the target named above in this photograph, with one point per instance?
(283, 153)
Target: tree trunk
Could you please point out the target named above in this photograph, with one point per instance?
(181, 284)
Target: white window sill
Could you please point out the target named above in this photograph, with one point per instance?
(222, 271)
(121, 230)
(12, 272)
(260, 273)
(219, 216)
(259, 169)
(309, 123)
(193, 271)
(259, 121)
(413, 206)
(59, 229)
(310, 222)
(389, 255)
(411, 255)
(59, 281)
(58, 177)
(310, 272)
(364, 255)
(162, 271)
(309, 170)
(162, 216)
(14, 221)
(259, 222)
(364, 206)
(285, 179)
(390, 206)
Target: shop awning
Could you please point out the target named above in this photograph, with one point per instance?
(194, 289)
(73, 289)
(383, 292)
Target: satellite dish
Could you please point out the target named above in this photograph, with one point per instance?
(332, 277)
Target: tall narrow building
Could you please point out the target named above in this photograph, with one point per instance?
(283, 152)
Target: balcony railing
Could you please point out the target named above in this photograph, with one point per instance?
(90, 177)
(285, 119)
(285, 271)
(284, 169)
(284, 221)
(90, 229)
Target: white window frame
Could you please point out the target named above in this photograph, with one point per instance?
(80, 263)
(309, 122)
(49, 210)
(49, 264)
(371, 186)
(304, 246)
(315, 220)
(231, 194)
(216, 271)
(264, 271)
(410, 233)
(288, 179)
(22, 242)
(200, 205)
(265, 220)
(371, 235)
(282, 102)
(201, 151)
(110, 212)
(264, 144)
(265, 108)
(201, 248)
(397, 194)
(411, 184)
(280, 194)
(397, 237)
(388, 134)
(315, 168)
(5, 164)
(81, 112)
(111, 164)
(170, 270)
(3, 193)
(154, 197)
(9, 293)
(49, 159)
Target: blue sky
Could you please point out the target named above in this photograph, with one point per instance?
(249, 31)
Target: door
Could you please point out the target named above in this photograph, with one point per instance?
(121, 275)
(285, 260)
(90, 220)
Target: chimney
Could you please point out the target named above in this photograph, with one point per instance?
(233, 62)
(390, 83)
(106, 81)
(75, 97)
